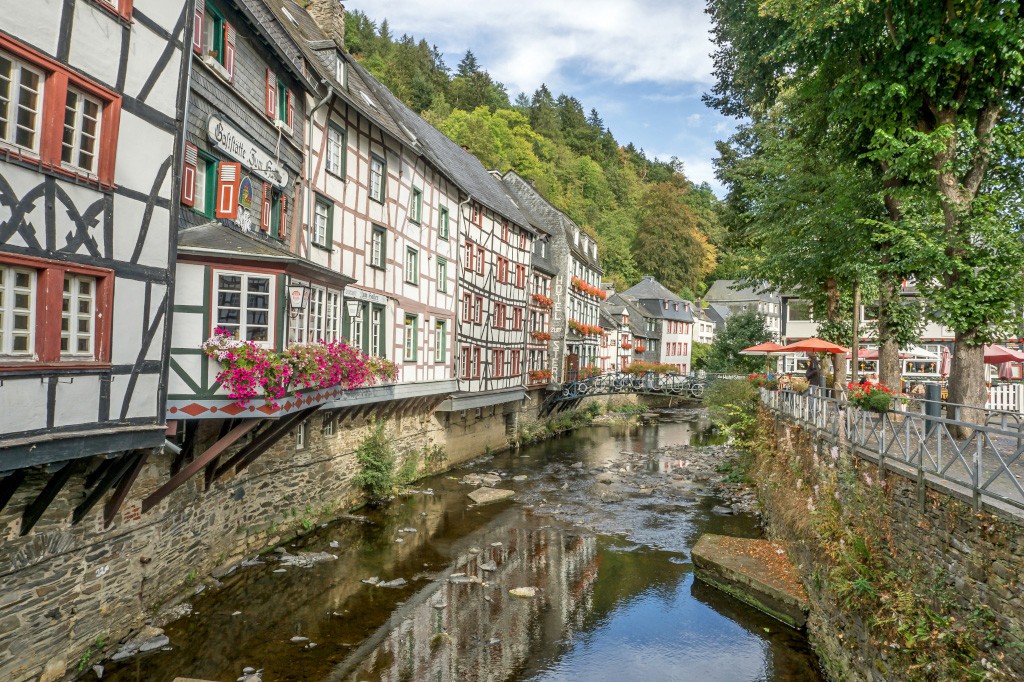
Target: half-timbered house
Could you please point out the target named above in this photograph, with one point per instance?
(91, 100)
(674, 319)
(379, 211)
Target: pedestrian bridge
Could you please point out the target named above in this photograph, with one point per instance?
(687, 386)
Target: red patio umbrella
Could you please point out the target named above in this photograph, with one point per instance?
(766, 349)
(815, 345)
(997, 355)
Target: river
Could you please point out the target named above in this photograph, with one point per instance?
(617, 599)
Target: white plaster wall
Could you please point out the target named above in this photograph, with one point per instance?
(95, 43)
(137, 163)
(191, 365)
(154, 249)
(126, 341)
(22, 405)
(36, 22)
(162, 12)
(78, 401)
(144, 50)
(143, 403)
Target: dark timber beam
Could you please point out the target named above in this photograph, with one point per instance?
(9, 486)
(264, 442)
(124, 485)
(97, 473)
(34, 511)
(113, 471)
(198, 463)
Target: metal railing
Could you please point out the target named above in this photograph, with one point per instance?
(981, 461)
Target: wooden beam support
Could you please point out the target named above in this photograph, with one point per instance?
(34, 511)
(198, 463)
(96, 474)
(265, 441)
(114, 470)
(123, 486)
(9, 486)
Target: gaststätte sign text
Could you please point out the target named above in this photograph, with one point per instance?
(228, 140)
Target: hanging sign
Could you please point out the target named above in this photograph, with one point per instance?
(226, 138)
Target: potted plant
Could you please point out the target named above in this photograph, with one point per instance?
(874, 397)
(798, 385)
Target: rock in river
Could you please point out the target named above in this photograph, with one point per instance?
(488, 495)
(526, 592)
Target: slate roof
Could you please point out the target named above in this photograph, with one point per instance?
(319, 50)
(731, 290)
(464, 169)
(654, 308)
(637, 317)
(554, 221)
(650, 288)
(220, 240)
(717, 314)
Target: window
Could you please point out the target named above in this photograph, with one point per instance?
(78, 313)
(317, 301)
(441, 341)
(214, 39)
(275, 212)
(478, 309)
(243, 303)
(497, 363)
(416, 206)
(517, 318)
(80, 142)
(301, 436)
(502, 269)
(516, 363)
(17, 312)
(442, 223)
(470, 362)
(467, 308)
(410, 339)
(504, 231)
(377, 332)
(442, 275)
(323, 224)
(378, 178)
(521, 276)
(481, 260)
(378, 247)
(499, 316)
(340, 73)
(335, 162)
(329, 423)
(470, 256)
(332, 308)
(412, 266)
(55, 116)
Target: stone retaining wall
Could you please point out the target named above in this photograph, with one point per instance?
(975, 558)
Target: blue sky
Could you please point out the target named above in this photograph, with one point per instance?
(643, 64)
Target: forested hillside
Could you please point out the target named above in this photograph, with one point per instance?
(648, 218)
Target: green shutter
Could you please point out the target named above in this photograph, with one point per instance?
(383, 329)
(364, 310)
(415, 337)
(330, 226)
(346, 321)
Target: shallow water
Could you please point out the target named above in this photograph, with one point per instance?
(617, 598)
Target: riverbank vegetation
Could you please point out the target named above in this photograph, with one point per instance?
(872, 591)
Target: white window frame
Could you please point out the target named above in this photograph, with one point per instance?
(78, 134)
(377, 247)
(378, 171)
(301, 434)
(442, 275)
(440, 340)
(332, 307)
(329, 423)
(412, 265)
(376, 327)
(321, 219)
(317, 308)
(416, 205)
(74, 317)
(11, 104)
(8, 312)
(243, 324)
(409, 343)
(335, 150)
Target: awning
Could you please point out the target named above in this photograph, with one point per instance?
(471, 401)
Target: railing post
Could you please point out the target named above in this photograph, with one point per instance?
(977, 470)
(881, 446)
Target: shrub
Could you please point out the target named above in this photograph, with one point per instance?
(877, 398)
(799, 385)
(733, 405)
(376, 463)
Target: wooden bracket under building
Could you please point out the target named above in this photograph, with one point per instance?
(263, 442)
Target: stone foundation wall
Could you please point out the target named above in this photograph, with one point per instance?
(975, 560)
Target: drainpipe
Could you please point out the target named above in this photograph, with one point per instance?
(309, 165)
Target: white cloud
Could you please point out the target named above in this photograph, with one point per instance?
(694, 120)
(534, 41)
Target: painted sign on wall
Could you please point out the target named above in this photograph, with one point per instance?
(229, 140)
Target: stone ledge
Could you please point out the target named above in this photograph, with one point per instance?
(756, 572)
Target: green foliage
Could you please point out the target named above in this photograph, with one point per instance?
(700, 355)
(376, 460)
(733, 405)
(742, 330)
(410, 469)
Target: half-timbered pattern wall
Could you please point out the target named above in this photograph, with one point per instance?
(91, 97)
(673, 318)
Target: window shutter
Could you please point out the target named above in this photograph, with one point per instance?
(188, 175)
(229, 175)
(330, 230)
(267, 208)
(229, 50)
(271, 104)
(197, 29)
(346, 323)
(290, 107)
(283, 227)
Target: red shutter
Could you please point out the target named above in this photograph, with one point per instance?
(283, 228)
(197, 29)
(271, 103)
(188, 175)
(229, 176)
(229, 50)
(267, 208)
(290, 108)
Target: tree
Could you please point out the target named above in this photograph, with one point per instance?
(742, 330)
(701, 355)
(669, 243)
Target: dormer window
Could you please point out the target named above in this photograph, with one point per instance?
(340, 73)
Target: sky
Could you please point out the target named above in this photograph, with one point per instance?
(643, 64)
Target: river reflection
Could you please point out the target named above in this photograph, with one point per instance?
(616, 599)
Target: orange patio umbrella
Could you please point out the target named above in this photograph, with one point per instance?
(815, 345)
(766, 349)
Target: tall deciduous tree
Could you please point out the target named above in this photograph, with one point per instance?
(742, 330)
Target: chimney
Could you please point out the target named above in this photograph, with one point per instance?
(329, 15)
